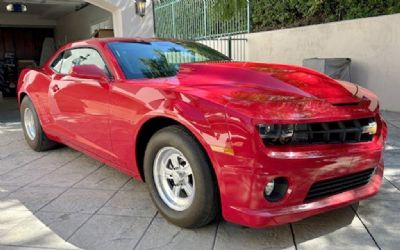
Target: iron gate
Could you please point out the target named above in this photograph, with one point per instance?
(198, 20)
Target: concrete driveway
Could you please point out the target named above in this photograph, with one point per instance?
(63, 199)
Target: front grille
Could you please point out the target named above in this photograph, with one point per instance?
(349, 131)
(338, 185)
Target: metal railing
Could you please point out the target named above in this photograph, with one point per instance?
(198, 20)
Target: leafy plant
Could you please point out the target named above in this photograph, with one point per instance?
(228, 8)
(276, 14)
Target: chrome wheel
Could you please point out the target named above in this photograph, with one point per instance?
(29, 123)
(174, 178)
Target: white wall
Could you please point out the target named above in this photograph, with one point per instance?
(76, 25)
(373, 44)
(239, 48)
(126, 22)
(24, 20)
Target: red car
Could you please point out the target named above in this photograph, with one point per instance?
(263, 144)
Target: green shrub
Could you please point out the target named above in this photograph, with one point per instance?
(276, 14)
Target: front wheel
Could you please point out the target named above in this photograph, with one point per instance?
(180, 178)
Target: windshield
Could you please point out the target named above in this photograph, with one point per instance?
(160, 58)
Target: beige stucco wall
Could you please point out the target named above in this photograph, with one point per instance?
(373, 44)
(76, 25)
(126, 22)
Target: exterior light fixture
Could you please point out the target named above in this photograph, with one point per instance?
(16, 7)
(140, 6)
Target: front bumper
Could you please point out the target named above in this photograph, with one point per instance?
(260, 218)
(242, 180)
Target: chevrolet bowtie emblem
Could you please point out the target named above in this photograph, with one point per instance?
(371, 128)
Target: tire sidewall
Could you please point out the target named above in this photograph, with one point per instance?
(205, 193)
(35, 143)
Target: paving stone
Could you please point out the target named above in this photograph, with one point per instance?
(163, 235)
(340, 217)
(395, 180)
(11, 145)
(8, 139)
(392, 162)
(387, 192)
(22, 176)
(63, 224)
(79, 201)
(110, 232)
(392, 144)
(391, 116)
(380, 212)
(6, 190)
(10, 218)
(321, 231)
(393, 127)
(33, 198)
(395, 123)
(32, 232)
(10, 133)
(136, 186)
(104, 178)
(231, 237)
(387, 239)
(393, 140)
(13, 205)
(18, 159)
(54, 159)
(332, 237)
(2, 247)
(38, 168)
(391, 155)
(69, 174)
(131, 204)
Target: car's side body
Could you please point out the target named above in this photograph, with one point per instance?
(113, 121)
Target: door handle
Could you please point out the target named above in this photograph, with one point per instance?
(55, 88)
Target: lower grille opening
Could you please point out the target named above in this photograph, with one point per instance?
(338, 185)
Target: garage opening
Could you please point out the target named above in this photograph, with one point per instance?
(31, 31)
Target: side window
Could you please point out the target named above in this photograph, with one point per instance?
(57, 63)
(93, 57)
(82, 56)
(69, 57)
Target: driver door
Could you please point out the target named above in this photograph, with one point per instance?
(80, 107)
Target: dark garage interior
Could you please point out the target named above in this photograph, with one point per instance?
(31, 31)
(19, 48)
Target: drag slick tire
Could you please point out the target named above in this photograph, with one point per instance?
(33, 131)
(180, 178)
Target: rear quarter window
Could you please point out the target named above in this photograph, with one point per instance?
(57, 63)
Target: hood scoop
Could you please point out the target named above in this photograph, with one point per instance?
(346, 104)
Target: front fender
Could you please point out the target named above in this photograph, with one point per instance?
(204, 119)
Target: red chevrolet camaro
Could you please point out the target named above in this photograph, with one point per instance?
(263, 144)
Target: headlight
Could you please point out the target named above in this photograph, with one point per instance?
(276, 133)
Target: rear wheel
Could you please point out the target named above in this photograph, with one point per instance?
(180, 178)
(33, 131)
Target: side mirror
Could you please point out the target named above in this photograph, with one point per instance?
(89, 71)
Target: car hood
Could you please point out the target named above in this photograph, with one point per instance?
(259, 89)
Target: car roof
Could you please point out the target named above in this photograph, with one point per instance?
(103, 41)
